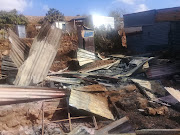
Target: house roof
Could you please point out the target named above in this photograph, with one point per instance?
(36, 19)
(69, 18)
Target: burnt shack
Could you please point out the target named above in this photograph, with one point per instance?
(153, 30)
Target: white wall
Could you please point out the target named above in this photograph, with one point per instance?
(98, 21)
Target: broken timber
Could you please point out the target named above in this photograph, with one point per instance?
(41, 56)
(19, 51)
(111, 126)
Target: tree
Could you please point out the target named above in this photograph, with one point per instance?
(7, 19)
(54, 15)
(118, 17)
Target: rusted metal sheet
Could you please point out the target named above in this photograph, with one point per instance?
(19, 51)
(41, 56)
(168, 14)
(90, 102)
(12, 94)
(123, 37)
(91, 88)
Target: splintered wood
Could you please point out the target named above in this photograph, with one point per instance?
(41, 56)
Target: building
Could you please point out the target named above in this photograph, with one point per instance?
(152, 31)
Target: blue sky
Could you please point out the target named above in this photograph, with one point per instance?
(82, 7)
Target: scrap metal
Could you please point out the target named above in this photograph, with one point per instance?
(90, 102)
(85, 57)
(41, 56)
(19, 51)
(12, 94)
(91, 88)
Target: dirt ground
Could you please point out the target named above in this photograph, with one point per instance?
(156, 116)
(65, 54)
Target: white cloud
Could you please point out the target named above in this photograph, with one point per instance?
(19, 5)
(141, 7)
(45, 7)
(136, 5)
(130, 2)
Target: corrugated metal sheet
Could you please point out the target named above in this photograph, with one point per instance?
(153, 38)
(19, 51)
(41, 56)
(139, 19)
(85, 57)
(168, 14)
(90, 102)
(21, 30)
(12, 94)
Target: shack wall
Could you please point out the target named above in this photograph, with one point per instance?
(153, 38)
(139, 19)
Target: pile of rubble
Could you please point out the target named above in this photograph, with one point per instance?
(91, 95)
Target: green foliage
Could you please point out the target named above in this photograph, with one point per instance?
(53, 15)
(107, 41)
(11, 18)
